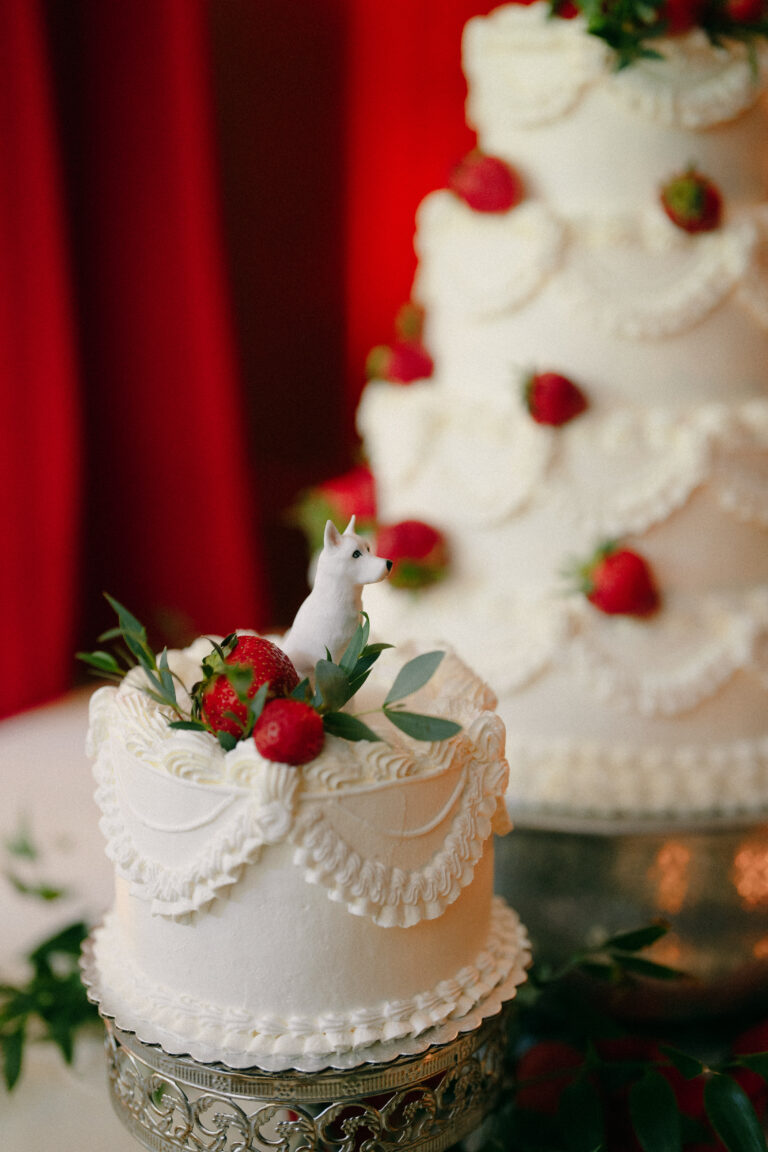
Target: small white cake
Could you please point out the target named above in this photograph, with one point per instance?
(306, 916)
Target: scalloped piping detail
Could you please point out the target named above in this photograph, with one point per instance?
(393, 896)
(704, 270)
(728, 91)
(679, 452)
(720, 83)
(222, 1031)
(718, 263)
(730, 635)
(487, 270)
(618, 780)
(177, 892)
(496, 50)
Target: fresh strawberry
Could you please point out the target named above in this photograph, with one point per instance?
(550, 1066)
(486, 183)
(401, 362)
(692, 202)
(352, 493)
(553, 399)
(418, 551)
(619, 582)
(266, 663)
(289, 731)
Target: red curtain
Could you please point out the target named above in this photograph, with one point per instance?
(405, 130)
(39, 427)
(171, 520)
(320, 124)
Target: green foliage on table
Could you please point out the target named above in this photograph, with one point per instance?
(552, 1006)
(50, 1005)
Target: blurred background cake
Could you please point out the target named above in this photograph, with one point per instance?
(589, 437)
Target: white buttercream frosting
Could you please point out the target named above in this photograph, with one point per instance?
(382, 850)
(207, 1030)
(666, 333)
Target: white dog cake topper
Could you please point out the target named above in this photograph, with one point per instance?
(328, 617)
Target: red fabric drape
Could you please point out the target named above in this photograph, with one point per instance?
(405, 131)
(39, 443)
(169, 493)
(169, 483)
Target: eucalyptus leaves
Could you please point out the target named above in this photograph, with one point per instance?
(336, 684)
(249, 691)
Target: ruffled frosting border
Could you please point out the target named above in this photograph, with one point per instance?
(209, 1032)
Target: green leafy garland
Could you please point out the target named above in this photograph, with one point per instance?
(590, 1096)
(335, 684)
(629, 27)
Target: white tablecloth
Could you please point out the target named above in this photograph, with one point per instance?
(47, 785)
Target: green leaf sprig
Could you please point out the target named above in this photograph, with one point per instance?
(25, 855)
(630, 27)
(51, 1005)
(160, 686)
(336, 684)
(589, 1097)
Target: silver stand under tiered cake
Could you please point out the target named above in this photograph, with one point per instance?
(425, 1102)
(575, 882)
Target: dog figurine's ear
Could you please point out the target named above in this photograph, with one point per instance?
(350, 528)
(331, 536)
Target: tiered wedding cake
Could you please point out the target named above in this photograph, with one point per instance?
(664, 331)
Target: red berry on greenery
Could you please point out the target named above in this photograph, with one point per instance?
(692, 202)
(744, 11)
(486, 183)
(352, 494)
(337, 499)
(289, 731)
(619, 582)
(406, 359)
(680, 16)
(418, 553)
(542, 1074)
(748, 1043)
(401, 362)
(553, 399)
(266, 663)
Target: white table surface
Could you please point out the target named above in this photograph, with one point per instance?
(47, 785)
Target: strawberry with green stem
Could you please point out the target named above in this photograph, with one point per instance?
(692, 201)
(406, 359)
(287, 730)
(617, 581)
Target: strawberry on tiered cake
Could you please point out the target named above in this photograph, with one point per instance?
(589, 435)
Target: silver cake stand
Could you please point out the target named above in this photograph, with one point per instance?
(575, 882)
(426, 1102)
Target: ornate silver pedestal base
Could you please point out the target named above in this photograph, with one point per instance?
(426, 1102)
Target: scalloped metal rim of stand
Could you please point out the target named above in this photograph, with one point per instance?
(426, 1102)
